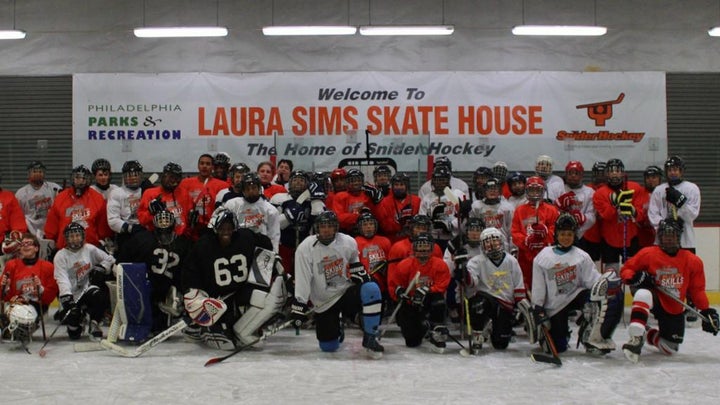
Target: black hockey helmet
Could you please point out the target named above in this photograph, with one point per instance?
(80, 176)
(669, 233)
(473, 230)
(132, 166)
(326, 218)
(652, 171)
(382, 169)
(366, 217)
(100, 164)
(615, 173)
(354, 173)
(221, 159)
(164, 223)
(423, 245)
(678, 162)
(36, 165)
(565, 222)
(74, 228)
(220, 216)
(171, 176)
(443, 161)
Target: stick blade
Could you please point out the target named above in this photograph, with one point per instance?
(545, 358)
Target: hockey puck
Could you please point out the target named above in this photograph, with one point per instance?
(42, 353)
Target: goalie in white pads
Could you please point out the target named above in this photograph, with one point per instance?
(233, 283)
(564, 280)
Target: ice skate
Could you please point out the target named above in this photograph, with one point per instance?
(372, 346)
(633, 347)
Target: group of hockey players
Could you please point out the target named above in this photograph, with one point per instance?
(231, 250)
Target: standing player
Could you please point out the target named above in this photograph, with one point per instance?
(516, 183)
(202, 190)
(266, 172)
(577, 197)
(329, 274)
(652, 177)
(102, 172)
(675, 271)
(123, 203)
(397, 208)
(234, 270)
(381, 179)
(348, 204)
(494, 210)
(455, 182)
(255, 213)
(237, 172)
(373, 250)
(440, 208)
(36, 198)
(167, 197)
(590, 241)
(220, 167)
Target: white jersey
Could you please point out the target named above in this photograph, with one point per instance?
(428, 204)
(558, 277)
(497, 216)
(504, 281)
(659, 209)
(584, 204)
(105, 193)
(555, 187)
(322, 272)
(35, 203)
(72, 269)
(455, 184)
(122, 205)
(259, 216)
(517, 201)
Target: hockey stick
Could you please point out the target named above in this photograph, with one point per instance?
(553, 357)
(42, 315)
(410, 287)
(687, 307)
(150, 344)
(42, 352)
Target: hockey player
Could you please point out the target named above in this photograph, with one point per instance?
(532, 226)
(123, 203)
(348, 204)
(221, 166)
(282, 175)
(381, 179)
(576, 199)
(494, 287)
(36, 198)
(422, 314)
(440, 207)
(516, 183)
(397, 208)
(236, 174)
(337, 178)
(455, 182)
(255, 213)
(373, 250)
(329, 274)
(553, 183)
(494, 210)
(403, 248)
(656, 272)
(11, 215)
(480, 177)
(167, 197)
(77, 296)
(296, 215)
(652, 177)
(78, 203)
(564, 280)
(461, 249)
(202, 190)
(27, 281)
(163, 252)
(266, 172)
(102, 172)
(500, 172)
(590, 241)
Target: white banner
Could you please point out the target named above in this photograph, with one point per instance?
(318, 119)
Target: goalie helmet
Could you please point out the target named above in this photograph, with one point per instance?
(171, 176)
(164, 222)
(615, 173)
(676, 177)
(366, 225)
(544, 166)
(669, 233)
(500, 171)
(21, 319)
(473, 231)
(100, 164)
(493, 243)
(565, 222)
(423, 245)
(535, 189)
(251, 194)
(326, 227)
(74, 234)
(220, 216)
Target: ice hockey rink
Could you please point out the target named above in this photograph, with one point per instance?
(289, 368)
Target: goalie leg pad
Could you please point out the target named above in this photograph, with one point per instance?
(372, 306)
(263, 306)
(530, 327)
(203, 310)
(133, 301)
(172, 305)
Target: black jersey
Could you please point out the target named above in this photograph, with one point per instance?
(162, 261)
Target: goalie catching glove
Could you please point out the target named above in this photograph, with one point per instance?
(202, 309)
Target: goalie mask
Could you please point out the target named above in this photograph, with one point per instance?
(74, 236)
(669, 233)
(615, 173)
(535, 189)
(493, 244)
(473, 231)
(544, 166)
(565, 231)
(367, 225)
(500, 171)
(326, 227)
(297, 183)
(22, 318)
(251, 187)
(674, 169)
(132, 172)
(171, 176)
(423, 246)
(80, 179)
(164, 222)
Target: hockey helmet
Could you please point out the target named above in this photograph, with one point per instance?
(535, 188)
(298, 181)
(669, 234)
(423, 245)
(251, 194)
(574, 172)
(440, 178)
(500, 171)
(543, 166)
(366, 224)
(326, 227)
(473, 231)
(493, 243)
(100, 164)
(396, 181)
(36, 165)
(171, 176)
(615, 173)
(80, 178)
(418, 224)
(444, 161)
(678, 163)
(221, 159)
(652, 171)
(565, 222)
(493, 190)
(131, 173)
(74, 234)
(164, 223)
(220, 216)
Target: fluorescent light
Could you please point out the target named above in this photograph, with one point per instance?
(178, 32)
(276, 30)
(407, 30)
(567, 30)
(12, 34)
(714, 32)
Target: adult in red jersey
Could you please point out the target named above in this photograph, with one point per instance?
(169, 196)
(348, 204)
(678, 272)
(202, 190)
(266, 172)
(78, 203)
(533, 226)
(397, 208)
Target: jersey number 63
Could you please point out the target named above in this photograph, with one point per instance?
(228, 271)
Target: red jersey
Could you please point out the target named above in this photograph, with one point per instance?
(372, 252)
(271, 189)
(612, 229)
(434, 274)
(402, 249)
(178, 202)
(202, 194)
(21, 275)
(347, 207)
(646, 232)
(391, 210)
(525, 215)
(592, 234)
(88, 210)
(682, 274)
(12, 217)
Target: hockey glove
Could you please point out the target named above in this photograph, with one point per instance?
(400, 294)
(372, 192)
(298, 313)
(420, 296)
(294, 212)
(156, 205)
(131, 229)
(317, 191)
(358, 275)
(203, 310)
(626, 211)
(642, 279)
(674, 197)
(193, 217)
(579, 217)
(100, 269)
(465, 208)
(540, 317)
(67, 305)
(566, 202)
(461, 259)
(714, 325)
(623, 196)
(438, 213)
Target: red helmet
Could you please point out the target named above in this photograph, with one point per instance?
(338, 173)
(535, 181)
(574, 165)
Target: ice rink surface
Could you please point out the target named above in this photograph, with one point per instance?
(289, 368)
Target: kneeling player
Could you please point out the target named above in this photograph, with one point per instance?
(233, 283)
(671, 270)
(329, 273)
(494, 283)
(564, 280)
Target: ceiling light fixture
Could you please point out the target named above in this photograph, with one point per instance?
(397, 30)
(560, 30)
(182, 32)
(13, 33)
(303, 30)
